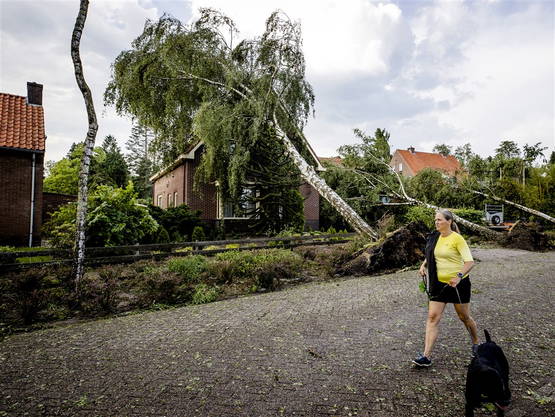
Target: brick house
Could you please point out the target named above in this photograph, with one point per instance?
(173, 186)
(409, 163)
(22, 144)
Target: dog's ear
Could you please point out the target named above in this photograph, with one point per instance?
(488, 338)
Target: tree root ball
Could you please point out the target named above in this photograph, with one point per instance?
(403, 248)
(527, 236)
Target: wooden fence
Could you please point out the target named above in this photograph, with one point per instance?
(10, 261)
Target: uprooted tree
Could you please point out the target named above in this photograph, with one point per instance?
(192, 83)
(373, 166)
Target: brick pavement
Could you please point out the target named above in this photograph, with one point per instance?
(336, 348)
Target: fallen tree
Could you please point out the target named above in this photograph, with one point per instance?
(403, 248)
(519, 206)
(192, 82)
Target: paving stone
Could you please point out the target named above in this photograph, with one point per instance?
(339, 348)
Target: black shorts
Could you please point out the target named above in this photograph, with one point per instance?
(444, 293)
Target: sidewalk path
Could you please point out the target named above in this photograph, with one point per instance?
(340, 348)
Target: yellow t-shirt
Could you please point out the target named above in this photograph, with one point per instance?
(451, 253)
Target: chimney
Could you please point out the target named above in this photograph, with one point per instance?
(411, 149)
(34, 93)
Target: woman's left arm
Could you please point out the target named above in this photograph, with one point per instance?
(465, 270)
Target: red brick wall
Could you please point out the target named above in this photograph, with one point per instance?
(15, 197)
(311, 206)
(203, 199)
(169, 184)
(181, 180)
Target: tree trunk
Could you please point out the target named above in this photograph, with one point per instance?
(79, 249)
(521, 207)
(310, 176)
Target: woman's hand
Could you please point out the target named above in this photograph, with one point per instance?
(422, 270)
(454, 282)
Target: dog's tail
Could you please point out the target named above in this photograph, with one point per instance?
(488, 338)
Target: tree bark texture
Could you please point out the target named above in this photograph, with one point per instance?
(79, 248)
(519, 206)
(309, 175)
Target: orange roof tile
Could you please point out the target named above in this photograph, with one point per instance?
(417, 161)
(334, 160)
(21, 124)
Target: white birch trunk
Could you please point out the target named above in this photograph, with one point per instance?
(310, 176)
(79, 249)
(519, 206)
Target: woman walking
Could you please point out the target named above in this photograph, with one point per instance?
(448, 261)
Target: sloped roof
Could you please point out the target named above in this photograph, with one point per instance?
(334, 160)
(417, 161)
(21, 124)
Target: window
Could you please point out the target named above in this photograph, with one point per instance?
(175, 199)
(169, 200)
(400, 167)
(159, 200)
(245, 207)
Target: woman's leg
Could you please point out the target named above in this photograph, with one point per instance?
(435, 311)
(463, 311)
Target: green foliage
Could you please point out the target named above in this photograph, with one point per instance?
(442, 149)
(63, 176)
(423, 214)
(112, 168)
(204, 294)
(114, 218)
(198, 234)
(474, 216)
(189, 268)
(246, 264)
(250, 86)
(61, 228)
(178, 222)
(360, 179)
(143, 161)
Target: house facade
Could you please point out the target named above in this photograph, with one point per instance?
(409, 162)
(22, 145)
(173, 186)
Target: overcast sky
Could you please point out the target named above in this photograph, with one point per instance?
(427, 71)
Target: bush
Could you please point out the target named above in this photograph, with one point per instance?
(198, 234)
(204, 294)
(189, 268)
(179, 222)
(419, 213)
(474, 216)
(30, 295)
(113, 218)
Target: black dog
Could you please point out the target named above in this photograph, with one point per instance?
(487, 379)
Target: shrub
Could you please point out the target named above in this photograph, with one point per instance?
(474, 216)
(198, 234)
(113, 218)
(189, 268)
(179, 221)
(419, 213)
(204, 294)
